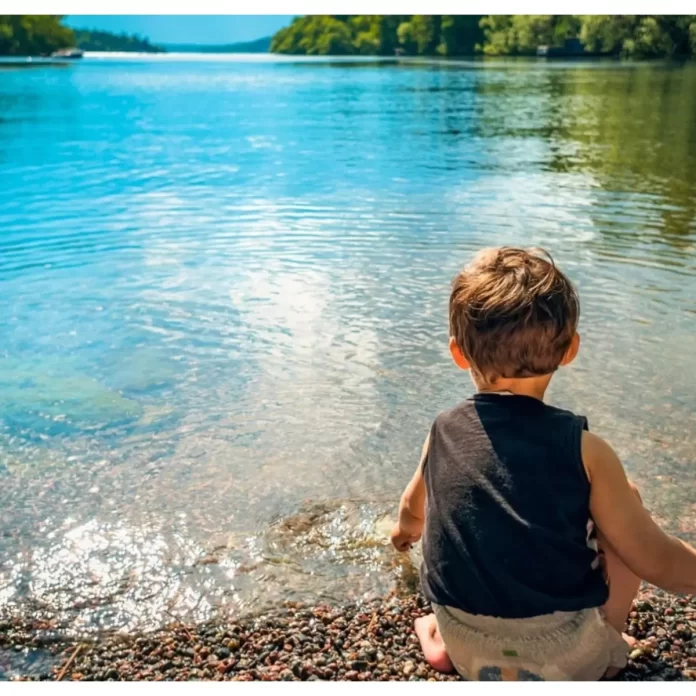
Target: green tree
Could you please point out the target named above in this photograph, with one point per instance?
(334, 40)
(33, 35)
(7, 40)
(366, 30)
(531, 31)
(314, 35)
(459, 35)
(640, 36)
(636, 36)
(420, 35)
(498, 36)
(523, 34)
(388, 39)
(375, 34)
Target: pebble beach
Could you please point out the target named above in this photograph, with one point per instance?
(373, 641)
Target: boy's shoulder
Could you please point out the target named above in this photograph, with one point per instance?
(525, 406)
(458, 418)
(563, 414)
(454, 412)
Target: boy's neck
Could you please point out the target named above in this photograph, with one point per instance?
(524, 386)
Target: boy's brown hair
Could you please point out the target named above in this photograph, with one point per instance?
(512, 313)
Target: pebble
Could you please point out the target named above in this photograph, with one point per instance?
(357, 642)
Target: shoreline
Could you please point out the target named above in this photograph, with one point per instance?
(373, 641)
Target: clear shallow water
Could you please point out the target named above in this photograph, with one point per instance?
(224, 288)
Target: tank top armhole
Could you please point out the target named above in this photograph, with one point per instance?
(425, 452)
(581, 425)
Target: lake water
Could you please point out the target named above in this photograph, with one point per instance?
(224, 286)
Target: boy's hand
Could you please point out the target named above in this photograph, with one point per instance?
(403, 540)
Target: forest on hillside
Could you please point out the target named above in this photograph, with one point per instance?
(630, 36)
(94, 40)
(39, 35)
(33, 35)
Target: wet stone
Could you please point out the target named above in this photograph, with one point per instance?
(255, 648)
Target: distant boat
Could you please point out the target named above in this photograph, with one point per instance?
(69, 53)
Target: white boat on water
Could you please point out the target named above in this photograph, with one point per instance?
(70, 53)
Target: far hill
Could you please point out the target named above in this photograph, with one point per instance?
(94, 40)
(258, 46)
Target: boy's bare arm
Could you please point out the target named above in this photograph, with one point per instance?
(409, 526)
(650, 553)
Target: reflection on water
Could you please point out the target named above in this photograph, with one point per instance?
(225, 288)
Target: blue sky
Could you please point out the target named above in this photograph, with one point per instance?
(197, 29)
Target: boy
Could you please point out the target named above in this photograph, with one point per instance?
(508, 492)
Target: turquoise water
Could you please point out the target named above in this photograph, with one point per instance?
(224, 287)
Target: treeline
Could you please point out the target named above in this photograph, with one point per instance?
(94, 40)
(446, 35)
(40, 35)
(33, 35)
(632, 36)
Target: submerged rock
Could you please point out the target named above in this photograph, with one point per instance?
(54, 392)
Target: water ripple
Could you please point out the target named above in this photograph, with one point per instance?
(225, 286)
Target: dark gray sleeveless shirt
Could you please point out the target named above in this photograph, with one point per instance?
(508, 531)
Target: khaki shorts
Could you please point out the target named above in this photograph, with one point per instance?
(564, 646)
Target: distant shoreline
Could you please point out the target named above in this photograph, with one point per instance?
(475, 62)
(261, 45)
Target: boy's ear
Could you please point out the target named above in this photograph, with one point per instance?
(459, 360)
(572, 351)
